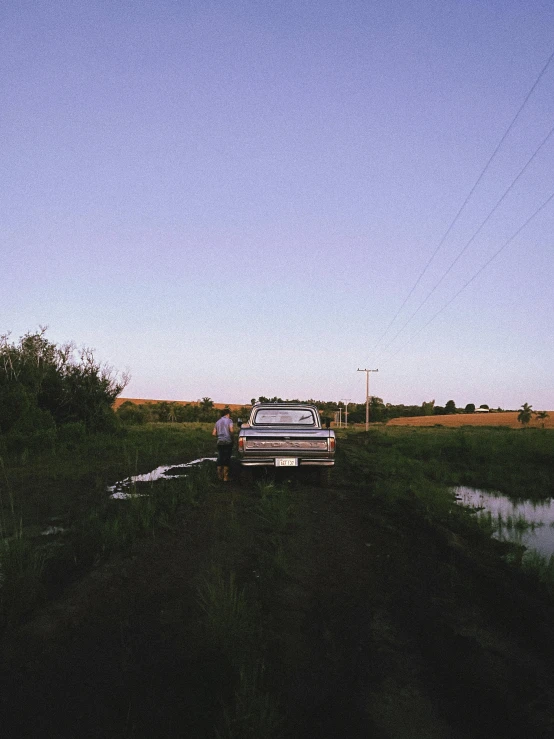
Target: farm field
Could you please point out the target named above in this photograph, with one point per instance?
(507, 419)
(376, 607)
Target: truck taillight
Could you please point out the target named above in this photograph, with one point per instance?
(241, 443)
(331, 443)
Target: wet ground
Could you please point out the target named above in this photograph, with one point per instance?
(526, 522)
(369, 620)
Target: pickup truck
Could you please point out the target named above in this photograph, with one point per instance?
(286, 435)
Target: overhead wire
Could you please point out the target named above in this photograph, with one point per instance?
(481, 269)
(473, 237)
(468, 197)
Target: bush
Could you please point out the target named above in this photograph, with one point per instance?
(130, 413)
(43, 385)
(72, 433)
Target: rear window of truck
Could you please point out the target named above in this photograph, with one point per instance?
(284, 417)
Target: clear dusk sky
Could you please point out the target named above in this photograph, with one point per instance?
(234, 199)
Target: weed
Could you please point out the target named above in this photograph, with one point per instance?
(274, 506)
(541, 567)
(254, 712)
(21, 568)
(229, 617)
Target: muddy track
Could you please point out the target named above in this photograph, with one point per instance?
(371, 621)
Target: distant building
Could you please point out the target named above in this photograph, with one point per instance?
(482, 410)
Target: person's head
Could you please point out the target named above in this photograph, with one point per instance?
(225, 412)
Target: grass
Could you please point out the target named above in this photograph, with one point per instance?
(229, 617)
(517, 464)
(70, 483)
(540, 567)
(400, 477)
(274, 505)
(254, 712)
(499, 523)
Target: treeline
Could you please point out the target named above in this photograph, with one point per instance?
(171, 412)
(379, 411)
(49, 391)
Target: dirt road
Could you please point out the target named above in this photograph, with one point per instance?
(353, 616)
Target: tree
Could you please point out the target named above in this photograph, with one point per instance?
(43, 384)
(450, 406)
(427, 408)
(524, 415)
(470, 408)
(376, 408)
(130, 413)
(542, 416)
(206, 404)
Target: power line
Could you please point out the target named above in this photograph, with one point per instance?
(472, 239)
(468, 197)
(483, 267)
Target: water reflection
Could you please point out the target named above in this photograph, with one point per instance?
(530, 523)
(165, 472)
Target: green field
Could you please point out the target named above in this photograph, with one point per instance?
(377, 607)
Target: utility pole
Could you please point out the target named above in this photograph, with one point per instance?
(346, 401)
(367, 371)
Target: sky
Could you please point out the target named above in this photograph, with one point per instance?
(235, 199)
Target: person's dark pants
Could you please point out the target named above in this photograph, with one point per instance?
(224, 455)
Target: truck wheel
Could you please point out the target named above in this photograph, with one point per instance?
(325, 477)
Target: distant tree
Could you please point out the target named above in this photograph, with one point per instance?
(542, 416)
(164, 411)
(470, 408)
(450, 406)
(525, 414)
(439, 410)
(484, 406)
(206, 404)
(130, 413)
(427, 408)
(376, 408)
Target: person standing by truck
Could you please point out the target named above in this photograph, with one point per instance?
(223, 429)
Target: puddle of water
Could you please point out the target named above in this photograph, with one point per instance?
(537, 533)
(51, 530)
(165, 472)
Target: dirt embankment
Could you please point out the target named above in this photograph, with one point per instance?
(508, 419)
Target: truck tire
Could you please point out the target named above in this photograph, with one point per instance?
(325, 477)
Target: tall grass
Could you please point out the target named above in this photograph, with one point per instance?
(254, 712)
(541, 567)
(230, 619)
(274, 505)
(517, 464)
(72, 485)
(22, 566)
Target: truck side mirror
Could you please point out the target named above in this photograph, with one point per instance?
(239, 422)
(328, 424)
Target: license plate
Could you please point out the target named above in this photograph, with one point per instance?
(286, 462)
